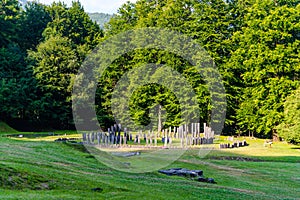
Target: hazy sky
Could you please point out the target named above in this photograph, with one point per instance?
(104, 6)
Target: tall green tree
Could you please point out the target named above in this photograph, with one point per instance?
(268, 59)
(69, 37)
(190, 17)
(73, 23)
(56, 66)
(9, 14)
(12, 63)
(33, 21)
(289, 129)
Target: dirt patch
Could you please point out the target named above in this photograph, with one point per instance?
(296, 179)
(246, 191)
(61, 164)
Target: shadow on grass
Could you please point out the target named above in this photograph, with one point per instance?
(295, 148)
(219, 155)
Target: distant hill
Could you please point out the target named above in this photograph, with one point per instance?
(100, 18)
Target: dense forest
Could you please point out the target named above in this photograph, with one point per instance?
(254, 44)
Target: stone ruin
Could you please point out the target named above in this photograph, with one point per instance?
(194, 174)
(186, 136)
(235, 144)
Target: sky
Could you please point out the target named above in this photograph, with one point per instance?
(101, 6)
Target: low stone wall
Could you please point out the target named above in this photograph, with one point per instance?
(236, 144)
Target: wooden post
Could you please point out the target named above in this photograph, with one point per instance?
(139, 137)
(192, 129)
(174, 130)
(120, 142)
(204, 130)
(151, 137)
(159, 119)
(98, 138)
(146, 139)
(186, 139)
(166, 141)
(155, 139)
(170, 142)
(125, 140)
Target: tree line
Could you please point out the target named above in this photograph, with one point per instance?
(42, 48)
(254, 44)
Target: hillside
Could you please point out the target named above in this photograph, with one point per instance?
(4, 128)
(48, 170)
(100, 18)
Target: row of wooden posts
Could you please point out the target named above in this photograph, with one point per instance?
(187, 135)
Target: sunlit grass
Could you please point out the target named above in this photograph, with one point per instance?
(68, 171)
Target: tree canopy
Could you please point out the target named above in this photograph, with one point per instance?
(254, 44)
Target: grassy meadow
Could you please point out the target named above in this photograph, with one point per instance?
(38, 168)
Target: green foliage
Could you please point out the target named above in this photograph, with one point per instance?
(254, 44)
(18, 92)
(33, 21)
(182, 16)
(268, 63)
(289, 130)
(56, 66)
(69, 36)
(11, 67)
(9, 14)
(73, 23)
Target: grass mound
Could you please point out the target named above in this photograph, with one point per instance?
(52, 170)
(14, 179)
(4, 128)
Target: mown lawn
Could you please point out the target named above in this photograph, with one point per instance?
(49, 170)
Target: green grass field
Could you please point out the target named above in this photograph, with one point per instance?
(48, 170)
